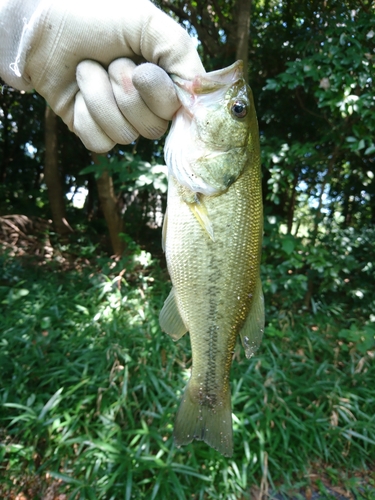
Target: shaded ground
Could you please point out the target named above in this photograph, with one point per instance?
(327, 483)
(346, 486)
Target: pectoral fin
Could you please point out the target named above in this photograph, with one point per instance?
(200, 212)
(252, 331)
(198, 208)
(170, 319)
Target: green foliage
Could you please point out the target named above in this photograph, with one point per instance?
(362, 340)
(131, 172)
(315, 107)
(337, 68)
(331, 276)
(90, 388)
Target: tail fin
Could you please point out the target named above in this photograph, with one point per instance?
(204, 423)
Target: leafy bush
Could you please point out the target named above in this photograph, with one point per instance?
(332, 276)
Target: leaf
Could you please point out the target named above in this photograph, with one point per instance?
(343, 39)
(361, 145)
(89, 170)
(349, 434)
(65, 478)
(288, 245)
(370, 150)
(82, 309)
(272, 85)
(20, 407)
(53, 401)
(16, 294)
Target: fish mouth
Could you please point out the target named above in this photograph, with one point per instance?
(189, 90)
(185, 92)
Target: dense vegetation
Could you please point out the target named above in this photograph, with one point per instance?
(90, 385)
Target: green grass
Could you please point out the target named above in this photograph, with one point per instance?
(90, 387)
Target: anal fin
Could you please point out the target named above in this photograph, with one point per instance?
(252, 331)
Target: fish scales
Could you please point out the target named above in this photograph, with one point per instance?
(215, 277)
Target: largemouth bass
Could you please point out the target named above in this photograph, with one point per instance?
(212, 238)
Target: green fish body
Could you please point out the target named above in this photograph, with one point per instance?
(212, 238)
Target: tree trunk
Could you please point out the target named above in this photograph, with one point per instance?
(109, 205)
(243, 30)
(292, 205)
(90, 198)
(52, 174)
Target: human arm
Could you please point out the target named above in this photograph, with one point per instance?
(83, 57)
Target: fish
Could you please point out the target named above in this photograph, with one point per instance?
(212, 238)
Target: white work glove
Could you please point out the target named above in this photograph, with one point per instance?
(82, 57)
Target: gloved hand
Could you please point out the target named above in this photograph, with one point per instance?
(82, 57)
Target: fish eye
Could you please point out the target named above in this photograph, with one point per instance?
(239, 109)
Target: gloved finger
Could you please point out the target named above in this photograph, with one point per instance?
(163, 41)
(131, 103)
(97, 92)
(87, 128)
(156, 89)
